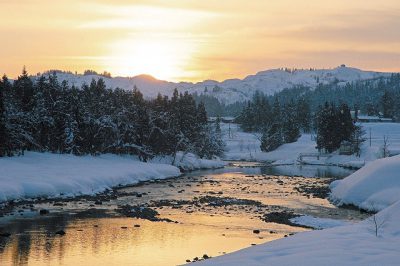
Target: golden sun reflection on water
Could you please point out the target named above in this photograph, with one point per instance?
(153, 243)
(95, 235)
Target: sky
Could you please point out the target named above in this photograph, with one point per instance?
(193, 40)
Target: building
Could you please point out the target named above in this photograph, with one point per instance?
(358, 117)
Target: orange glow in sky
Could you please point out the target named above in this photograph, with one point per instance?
(192, 40)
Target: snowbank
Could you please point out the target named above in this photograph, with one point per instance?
(373, 187)
(246, 146)
(189, 162)
(318, 223)
(45, 174)
(374, 241)
(355, 244)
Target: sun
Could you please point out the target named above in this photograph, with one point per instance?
(162, 58)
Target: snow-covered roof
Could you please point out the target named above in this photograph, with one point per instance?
(368, 117)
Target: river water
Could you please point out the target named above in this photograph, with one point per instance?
(98, 235)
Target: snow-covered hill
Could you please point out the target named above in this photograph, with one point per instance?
(233, 90)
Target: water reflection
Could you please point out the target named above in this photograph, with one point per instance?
(285, 170)
(307, 171)
(99, 237)
(103, 241)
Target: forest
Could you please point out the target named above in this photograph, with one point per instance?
(48, 116)
(371, 97)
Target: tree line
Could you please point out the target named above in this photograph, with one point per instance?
(45, 115)
(279, 123)
(335, 126)
(371, 97)
(282, 121)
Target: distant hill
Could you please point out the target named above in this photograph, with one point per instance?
(233, 90)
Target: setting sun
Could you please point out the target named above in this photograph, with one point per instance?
(193, 41)
(187, 132)
(163, 58)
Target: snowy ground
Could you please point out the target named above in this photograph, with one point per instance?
(374, 241)
(373, 187)
(246, 146)
(189, 162)
(46, 174)
(318, 223)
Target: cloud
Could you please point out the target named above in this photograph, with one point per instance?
(144, 17)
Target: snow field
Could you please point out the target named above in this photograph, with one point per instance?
(46, 174)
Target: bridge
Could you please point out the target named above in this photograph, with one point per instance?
(312, 155)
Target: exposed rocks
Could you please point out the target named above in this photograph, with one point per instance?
(44, 212)
(5, 234)
(141, 212)
(315, 189)
(225, 201)
(282, 217)
(60, 232)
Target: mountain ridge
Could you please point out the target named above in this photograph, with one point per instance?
(233, 90)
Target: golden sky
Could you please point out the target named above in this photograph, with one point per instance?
(192, 40)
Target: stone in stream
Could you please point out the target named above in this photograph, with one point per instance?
(205, 256)
(282, 217)
(5, 234)
(141, 212)
(44, 212)
(60, 232)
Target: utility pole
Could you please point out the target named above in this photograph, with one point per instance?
(370, 142)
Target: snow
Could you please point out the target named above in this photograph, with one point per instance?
(354, 244)
(46, 174)
(318, 223)
(374, 241)
(246, 146)
(190, 161)
(232, 90)
(373, 187)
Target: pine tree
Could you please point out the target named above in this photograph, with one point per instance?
(3, 130)
(94, 120)
(303, 114)
(387, 104)
(290, 126)
(334, 125)
(271, 138)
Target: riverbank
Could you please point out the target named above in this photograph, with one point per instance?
(246, 146)
(61, 175)
(206, 212)
(374, 241)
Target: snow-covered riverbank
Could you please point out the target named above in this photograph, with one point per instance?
(246, 146)
(45, 174)
(374, 241)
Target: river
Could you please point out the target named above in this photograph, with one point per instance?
(209, 212)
